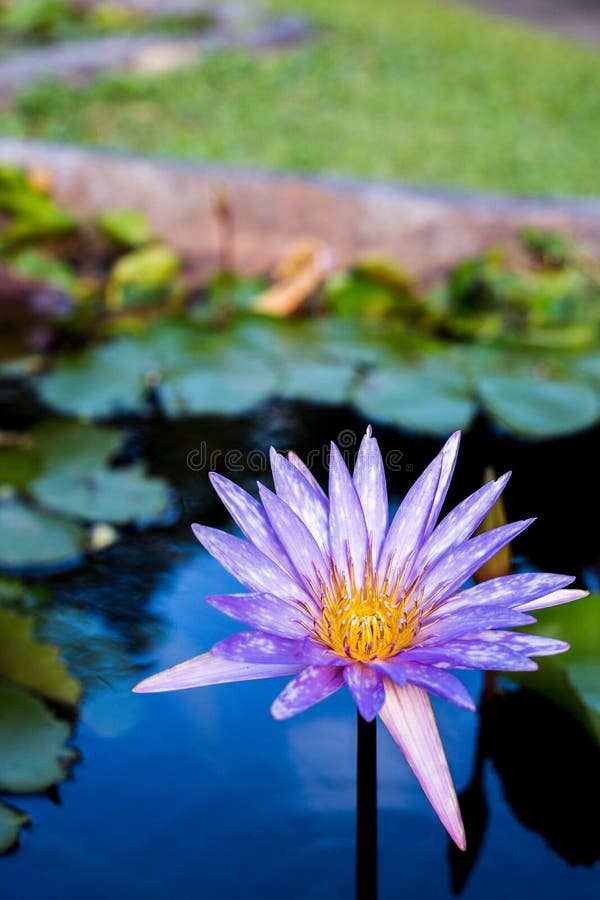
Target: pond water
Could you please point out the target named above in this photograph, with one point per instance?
(201, 794)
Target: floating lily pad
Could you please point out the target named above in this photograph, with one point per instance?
(19, 465)
(100, 382)
(230, 386)
(74, 445)
(11, 822)
(30, 537)
(32, 664)
(33, 751)
(201, 374)
(572, 679)
(530, 404)
(105, 495)
(430, 396)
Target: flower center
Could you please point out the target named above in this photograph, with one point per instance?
(373, 621)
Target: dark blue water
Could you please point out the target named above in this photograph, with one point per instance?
(200, 794)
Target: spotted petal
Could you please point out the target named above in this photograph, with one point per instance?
(457, 565)
(210, 669)
(259, 647)
(408, 525)
(347, 528)
(313, 684)
(461, 522)
(306, 501)
(299, 544)
(264, 611)
(250, 517)
(251, 567)
(431, 678)
(366, 686)
(369, 481)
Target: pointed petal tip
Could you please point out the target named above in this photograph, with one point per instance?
(279, 711)
(369, 431)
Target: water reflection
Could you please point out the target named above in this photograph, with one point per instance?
(549, 767)
(186, 792)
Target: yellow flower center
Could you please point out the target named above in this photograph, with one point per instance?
(372, 621)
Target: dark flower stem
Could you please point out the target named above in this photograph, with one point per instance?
(366, 809)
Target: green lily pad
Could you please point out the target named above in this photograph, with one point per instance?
(33, 751)
(571, 679)
(116, 496)
(11, 822)
(537, 406)
(431, 395)
(74, 445)
(100, 382)
(32, 664)
(19, 465)
(230, 385)
(208, 374)
(20, 597)
(30, 537)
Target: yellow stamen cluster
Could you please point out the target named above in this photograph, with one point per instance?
(372, 620)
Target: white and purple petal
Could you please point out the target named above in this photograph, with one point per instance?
(251, 519)
(259, 647)
(431, 678)
(211, 669)
(251, 567)
(263, 611)
(458, 564)
(469, 621)
(366, 686)
(347, 528)
(405, 534)
(307, 501)
(299, 544)
(473, 653)
(447, 457)
(313, 684)
(461, 522)
(508, 590)
(370, 484)
(408, 716)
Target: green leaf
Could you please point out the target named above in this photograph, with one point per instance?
(19, 465)
(32, 664)
(530, 404)
(31, 537)
(43, 267)
(225, 384)
(128, 227)
(571, 679)
(11, 822)
(106, 495)
(33, 751)
(100, 382)
(143, 275)
(429, 395)
(75, 445)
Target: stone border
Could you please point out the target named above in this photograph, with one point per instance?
(79, 61)
(425, 230)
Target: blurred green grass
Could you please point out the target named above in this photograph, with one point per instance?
(418, 90)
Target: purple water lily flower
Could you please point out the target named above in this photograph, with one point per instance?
(339, 596)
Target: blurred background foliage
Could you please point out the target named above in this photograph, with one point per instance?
(428, 92)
